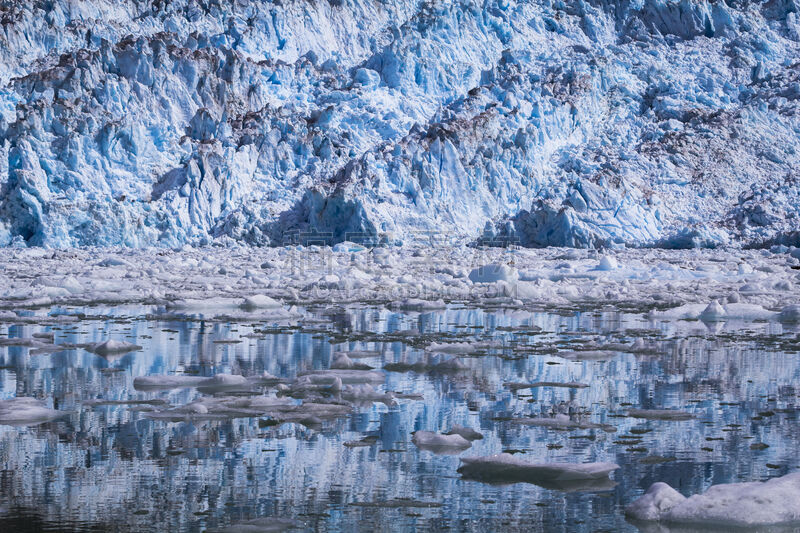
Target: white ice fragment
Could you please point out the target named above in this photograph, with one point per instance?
(417, 304)
(260, 301)
(607, 262)
(342, 362)
(436, 442)
(467, 433)
(349, 377)
(113, 347)
(24, 411)
(714, 311)
(219, 382)
(494, 272)
(770, 503)
(658, 499)
(451, 348)
(506, 467)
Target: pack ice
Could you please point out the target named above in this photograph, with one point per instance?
(583, 124)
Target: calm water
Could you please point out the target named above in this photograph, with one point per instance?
(110, 468)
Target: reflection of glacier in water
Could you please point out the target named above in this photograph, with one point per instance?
(109, 466)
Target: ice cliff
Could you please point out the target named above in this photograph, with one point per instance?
(585, 123)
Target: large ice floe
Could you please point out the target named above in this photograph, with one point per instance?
(775, 502)
(505, 468)
(668, 122)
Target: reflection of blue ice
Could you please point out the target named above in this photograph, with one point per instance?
(115, 461)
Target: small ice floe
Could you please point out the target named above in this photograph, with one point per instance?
(451, 347)
(562, 421)
(365, 393)
(607, 263)
(112, 347)
(25, 411)
(196, 305)
(714, 311)
(659, 414)
(775, 502)
(217, 383)
(417, 304)
(347, 377)
(228, 407)
(260, 301)
(468, 433)
(493, 273)
(261, 525)
(342, 362)
(438, 443)
(515, 386)
(505, 468)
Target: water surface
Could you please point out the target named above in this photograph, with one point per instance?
(111, 468)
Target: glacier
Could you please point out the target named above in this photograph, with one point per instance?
(667, 123)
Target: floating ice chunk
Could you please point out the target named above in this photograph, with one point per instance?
(219, 382)
(505, 467)
(348, 377)
(365, 393)
(223, 382)
(451, 348)
(714, 311)
(658, 499)
(438, 443)
(113, 347)
(260, 301)
(193, 304)
(770, 503)
(417, 304)
(165, 382)
(24, 411)
(494, 272)
(683, 312)
(467, 433)
(607, 263)
(659, 414)
(342, 362)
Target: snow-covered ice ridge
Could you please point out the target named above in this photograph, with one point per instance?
(160, 123)
(267, 282)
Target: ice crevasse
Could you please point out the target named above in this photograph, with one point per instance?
(671, 123)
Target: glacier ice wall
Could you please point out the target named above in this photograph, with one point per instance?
(591, 123)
